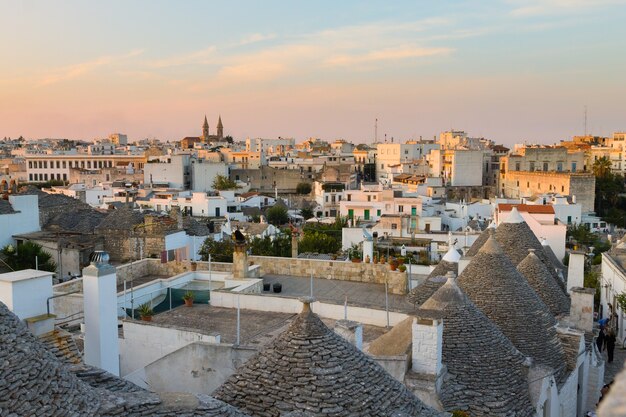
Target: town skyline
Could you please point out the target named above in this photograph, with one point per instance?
(510, 71)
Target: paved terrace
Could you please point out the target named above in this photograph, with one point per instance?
(333, 291)
(257, 327)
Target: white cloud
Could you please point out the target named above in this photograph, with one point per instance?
(392, 54)
(532, 8)
(76, 70)
(256, 37)
(203, 56)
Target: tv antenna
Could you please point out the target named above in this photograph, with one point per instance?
(376, 131)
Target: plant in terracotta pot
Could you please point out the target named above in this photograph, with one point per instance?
(382, 259)
(145, 312)
(188, 298)
(375, 259)
(402, 268)
(367, 259)
(393, 264)
(194, 265)
(356, 260)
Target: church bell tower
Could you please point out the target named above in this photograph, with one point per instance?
(205, 130)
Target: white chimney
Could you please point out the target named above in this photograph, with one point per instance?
(581, 310)
(100, 298)
(575, 270)
(351, 331)
(427, 345)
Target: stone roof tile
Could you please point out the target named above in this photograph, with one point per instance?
(486, 373)
(34, 381)
(309, 369)
(544, 284)
(491, 281)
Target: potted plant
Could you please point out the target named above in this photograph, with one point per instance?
(146, 312)
(393, 264)
(188, 298)
(375, 259)
(382, 259)
(367, 259)
(402, 268)
(194, 265)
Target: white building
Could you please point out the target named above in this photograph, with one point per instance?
(94, 196)
(170, 170)
(392, 155)
(18, 215)
(203, 173)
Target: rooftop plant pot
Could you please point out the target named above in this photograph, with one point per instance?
(194, 266)
(189, 302)
(146, 318)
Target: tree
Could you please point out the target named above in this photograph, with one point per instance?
(28, 255)
(303, 188)
(278, 245)
(277, 215)
(224, 183)
(307, 213)
(602, 167)
(228, 139)
(221, 251)
(318, 242)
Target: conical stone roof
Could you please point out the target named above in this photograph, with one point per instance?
(553, 258)
(33, 381)
(486, 373)
(491, 281)
(544, 284)
(515, 237)
(435, 280)
(309, 370)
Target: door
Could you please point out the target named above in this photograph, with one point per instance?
(413, 211)
(366, 214)
(217, 212)
(350, 214)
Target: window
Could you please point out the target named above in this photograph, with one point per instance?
(562, 188)
(30, 165)
(45, 164)
(378, 212)
(369, 198)
(545, 166)
(573, 166)
(349, 197)
(382, 166)
(58, 164)
(64, 164)
(401, 209)
(517, 166)
(394, 226)
(30, 177)
(65, 177)
(559, 166)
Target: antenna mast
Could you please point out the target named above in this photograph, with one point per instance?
(376, 131)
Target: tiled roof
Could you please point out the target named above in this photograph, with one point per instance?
(544, 284)
(33, 381)
(486, 373)
(82, 220)
(310, 371)
(121, 219)
(435, 280)
(491, 281)
(528, 208)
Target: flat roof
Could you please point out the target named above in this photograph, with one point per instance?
(24, 275)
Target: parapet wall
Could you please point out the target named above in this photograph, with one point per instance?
(339, 270)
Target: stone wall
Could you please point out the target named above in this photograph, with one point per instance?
(339, 270)
(518, 184)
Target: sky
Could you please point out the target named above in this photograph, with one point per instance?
(510, 70)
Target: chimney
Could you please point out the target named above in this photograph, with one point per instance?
(581, 310)
(351, 331)
(295, 238)
(25, 293)
(427, 345)
(575, 270)
(100, 307)
(240, 261)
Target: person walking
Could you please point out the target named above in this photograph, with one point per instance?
(600, 339)
(610, 344)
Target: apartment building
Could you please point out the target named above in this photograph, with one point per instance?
(392, 155)
(41, 167)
